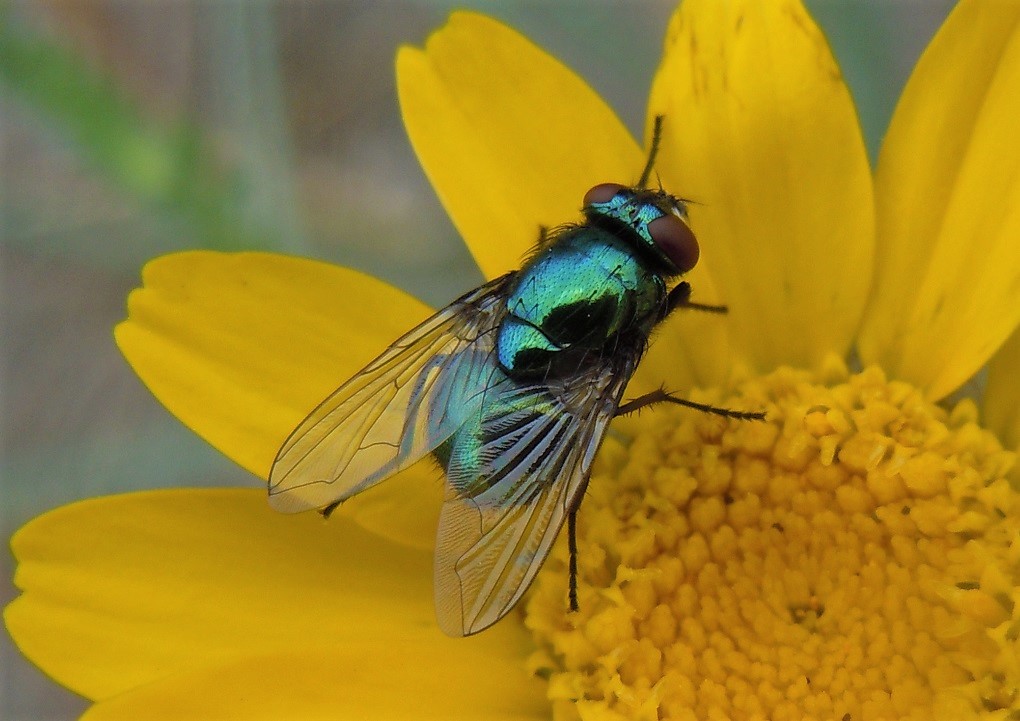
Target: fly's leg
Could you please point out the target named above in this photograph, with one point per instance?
(662, 396)
(572, 567)
(680, 297)
(327, 511)
(705, 307)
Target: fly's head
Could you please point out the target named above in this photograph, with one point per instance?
(654, 218)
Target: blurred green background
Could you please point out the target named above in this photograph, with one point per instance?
(129, 129)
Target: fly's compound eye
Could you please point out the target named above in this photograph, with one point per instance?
(602, 193)
(674, 238)
(655, 216)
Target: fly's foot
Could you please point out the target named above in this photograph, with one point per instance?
(663, 396)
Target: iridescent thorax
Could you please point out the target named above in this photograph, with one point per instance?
(595, 284)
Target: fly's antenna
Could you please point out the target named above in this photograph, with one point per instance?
(652, 152)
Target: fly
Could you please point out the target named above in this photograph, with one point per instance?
(511, 389)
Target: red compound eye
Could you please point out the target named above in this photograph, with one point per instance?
(674, 238)
(602, 193)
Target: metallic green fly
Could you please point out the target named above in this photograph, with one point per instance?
(511, 389)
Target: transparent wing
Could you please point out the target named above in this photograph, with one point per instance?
(398, 408)
(516, 470)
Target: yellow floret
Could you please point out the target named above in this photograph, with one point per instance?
(857, 556)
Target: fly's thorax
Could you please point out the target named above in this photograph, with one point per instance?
(568, 304)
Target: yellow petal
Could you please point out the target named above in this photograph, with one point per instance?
(383, 678)
(510, 138)
(242, 346)
(1002, 394)
(124, 591)
(760, 131)
(947, 288)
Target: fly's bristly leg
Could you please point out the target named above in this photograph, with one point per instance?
(572, 568)
(706, 308)
(680, 297)
(662, 396)
(327, 511)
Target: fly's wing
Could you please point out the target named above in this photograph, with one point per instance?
(398, 408)
(517, 469)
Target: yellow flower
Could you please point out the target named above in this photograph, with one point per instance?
(857, 557)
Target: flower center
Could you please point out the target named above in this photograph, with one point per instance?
(854, 557)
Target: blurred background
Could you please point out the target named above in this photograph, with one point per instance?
(132, 129)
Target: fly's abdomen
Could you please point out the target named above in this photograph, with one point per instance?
(572, 300)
